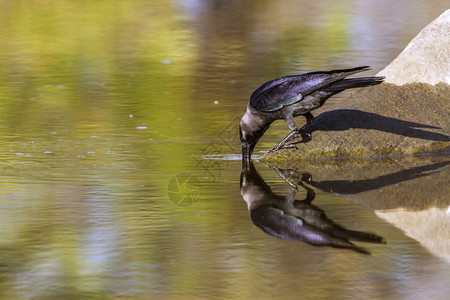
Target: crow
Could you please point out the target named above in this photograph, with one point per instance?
(291, 96)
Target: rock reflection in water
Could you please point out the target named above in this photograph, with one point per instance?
(409, 192)
(347, 187)
(290, 219)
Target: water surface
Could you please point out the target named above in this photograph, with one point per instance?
(111, 113)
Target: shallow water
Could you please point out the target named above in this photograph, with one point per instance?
(120, 175)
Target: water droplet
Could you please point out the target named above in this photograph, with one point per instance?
(141, 127)
(47, 152)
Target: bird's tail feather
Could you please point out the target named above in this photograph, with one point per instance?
(350, 83)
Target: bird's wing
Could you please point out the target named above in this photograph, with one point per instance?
(275, 94)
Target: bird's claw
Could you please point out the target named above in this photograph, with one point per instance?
(306, 137)
(306, 177)
(289, 146)
(276, 148)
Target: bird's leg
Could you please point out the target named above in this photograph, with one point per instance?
(285, 178)
(295, 132)
(292, 135)
(300, 131)
(309, 121)
(310, 193)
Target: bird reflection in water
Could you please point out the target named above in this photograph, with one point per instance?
(290, 219)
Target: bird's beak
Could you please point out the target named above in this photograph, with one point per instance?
(246, 152)
(246, 157)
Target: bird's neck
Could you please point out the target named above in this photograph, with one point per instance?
(254, 121)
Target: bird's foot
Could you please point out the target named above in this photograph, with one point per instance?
(306, 178)
(306, 137)
(276, 148)
(289, 146)
(281, 146)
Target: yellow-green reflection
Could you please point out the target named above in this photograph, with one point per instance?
(102, 103)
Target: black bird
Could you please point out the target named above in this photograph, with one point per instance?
(291, 96)
(287, 218)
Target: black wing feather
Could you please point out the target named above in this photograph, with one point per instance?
(275, 94)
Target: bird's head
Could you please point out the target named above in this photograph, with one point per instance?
(248, 141)
(251, 129)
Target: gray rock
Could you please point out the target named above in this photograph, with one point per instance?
(408, 118)
(426, 58)
(411, 192)
(383, 120)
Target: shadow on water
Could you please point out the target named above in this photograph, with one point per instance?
(411, 183)
(345, 119)
(290, 219)
(364, 185)
(411, 193)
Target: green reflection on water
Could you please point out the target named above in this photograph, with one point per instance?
(102, 103)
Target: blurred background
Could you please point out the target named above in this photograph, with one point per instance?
(104, 103)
